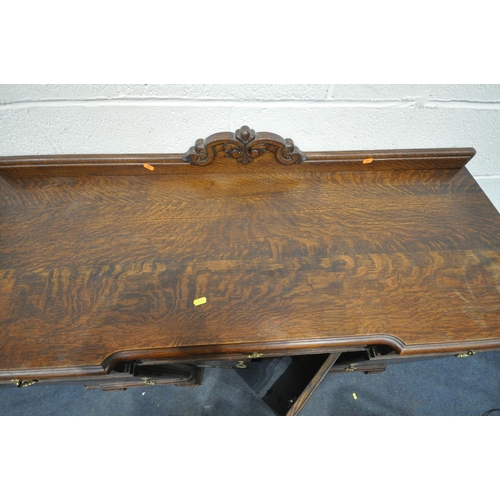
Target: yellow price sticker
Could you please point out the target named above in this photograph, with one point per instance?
(198, 302)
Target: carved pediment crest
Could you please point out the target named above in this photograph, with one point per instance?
(244, 145)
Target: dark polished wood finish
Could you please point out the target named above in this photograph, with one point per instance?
(101, 257)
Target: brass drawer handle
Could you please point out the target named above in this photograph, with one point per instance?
(24, 383)
(241, 365)
(255, 355)
(465, 354)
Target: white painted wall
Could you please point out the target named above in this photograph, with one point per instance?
(69, 119)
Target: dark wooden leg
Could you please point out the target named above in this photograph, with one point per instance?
(290, 393)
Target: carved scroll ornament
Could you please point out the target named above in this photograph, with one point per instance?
(244, 145)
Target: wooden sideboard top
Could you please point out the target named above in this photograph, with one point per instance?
(102, 256)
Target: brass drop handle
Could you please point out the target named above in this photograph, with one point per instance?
(24, 383)
(241, 365)
(465, 354)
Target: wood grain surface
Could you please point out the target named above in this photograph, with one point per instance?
(101, 258)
